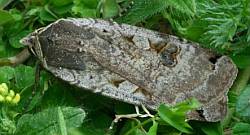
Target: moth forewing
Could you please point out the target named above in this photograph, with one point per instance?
(155, 68)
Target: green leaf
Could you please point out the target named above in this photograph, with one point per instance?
(4, 3)
(220, 22)
(139, 132)
(176, 120)
(34, 11)
(34, 101)
(62, 9)
(248, 34)
(176, 10)
(188, 6)
(143, 9)
(216, 33)
(243, 104)
(127, 128)
(176, 115)
(6, 73)
(91, 130)
(5, 17)
(179, 13)
(241, 129)
(91, 4)
(17, 15)
(85, 12)
(47, 122)
(98, 121)
(153, 129)
(185, 106)
(61, 121)
(14, 41)
(242, 61)
(85, 8)
(46, 16)
(101, 120)
(212, 128)
(63, 94)
(7, 123)
(32, 96)
(123, 108)
(60, 3)
(194, 31)
(24, 76)
(110, 8)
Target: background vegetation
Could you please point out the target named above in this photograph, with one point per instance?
(50, 106)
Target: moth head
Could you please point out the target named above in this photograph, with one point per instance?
(32, 42)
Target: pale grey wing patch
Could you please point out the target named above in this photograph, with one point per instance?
(101, 82)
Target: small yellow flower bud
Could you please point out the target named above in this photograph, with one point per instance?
(1, 98)
(16, 99)
(11, 93)
(3, 89)
(8, 99)
(4, 85)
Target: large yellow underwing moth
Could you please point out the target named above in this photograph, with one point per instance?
(134, 65)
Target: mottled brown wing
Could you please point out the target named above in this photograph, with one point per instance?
(137, 65)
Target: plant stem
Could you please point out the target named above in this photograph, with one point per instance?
(15, 60)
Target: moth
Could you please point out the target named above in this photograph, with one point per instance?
(134, 65)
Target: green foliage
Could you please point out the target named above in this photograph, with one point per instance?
(5, 17)
(242, 104)
(7, 122)
(212, 128)
(222, 25)
(109, 8)
(49, 106)
(50, 121)
(6, 73)
(22, 75)
(85, 9)
(241, 60)
(143, 9)
(167, 118)
(241, 129)
(153, 128)
(221, 17)
(131, 128)
(176, 116)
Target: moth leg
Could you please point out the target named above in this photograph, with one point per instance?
(146, 111)
(35, 90)
(131, 116)
(137, 110)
